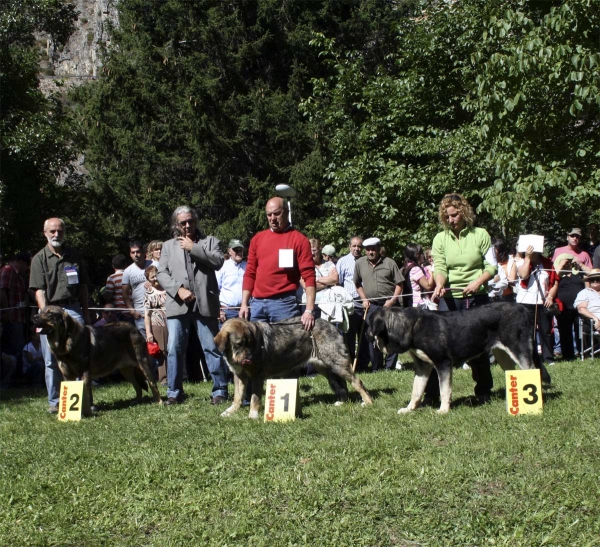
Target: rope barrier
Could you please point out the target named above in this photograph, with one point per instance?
(422, 293)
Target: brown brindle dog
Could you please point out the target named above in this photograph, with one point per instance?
(92, 352)
(258, 351)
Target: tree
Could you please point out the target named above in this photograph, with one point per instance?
(36, 136)
(497, 99)
(198, 103)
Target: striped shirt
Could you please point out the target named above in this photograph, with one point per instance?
(113, 285)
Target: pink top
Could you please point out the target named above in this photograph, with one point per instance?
(581, 256)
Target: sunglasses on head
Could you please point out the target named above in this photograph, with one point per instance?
(454, 197)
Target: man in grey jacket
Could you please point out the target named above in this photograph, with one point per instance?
(187, 273)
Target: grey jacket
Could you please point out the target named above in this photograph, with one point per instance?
(207, 257)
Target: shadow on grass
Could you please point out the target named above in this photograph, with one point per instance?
(15, 396)
(353, 396)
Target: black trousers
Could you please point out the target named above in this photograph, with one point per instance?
(567, 322)
(376, 355)
(480, 366)
(356, 322)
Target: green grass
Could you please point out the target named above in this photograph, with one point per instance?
(340, 476)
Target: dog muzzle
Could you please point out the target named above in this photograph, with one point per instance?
(246, 362)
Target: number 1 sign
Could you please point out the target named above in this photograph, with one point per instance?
(281, 402)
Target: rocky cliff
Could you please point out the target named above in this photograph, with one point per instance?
(79, 60)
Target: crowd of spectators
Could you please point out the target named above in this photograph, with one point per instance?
(464, 268)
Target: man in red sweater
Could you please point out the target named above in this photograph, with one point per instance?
(277, 258)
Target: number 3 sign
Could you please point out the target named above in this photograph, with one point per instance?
(71, 401)
(523, 392)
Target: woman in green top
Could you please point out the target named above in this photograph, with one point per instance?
(461, 275)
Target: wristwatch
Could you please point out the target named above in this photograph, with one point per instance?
(312, 312)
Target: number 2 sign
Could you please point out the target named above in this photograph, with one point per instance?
(523, 392)
(70, 401)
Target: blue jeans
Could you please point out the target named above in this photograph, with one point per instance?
(179, 333)
(229, 314)
(53, 374)
(141, 326)
(274, 309)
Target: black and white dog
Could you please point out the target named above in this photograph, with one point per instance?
(446, 340)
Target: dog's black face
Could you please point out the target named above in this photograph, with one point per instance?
(377, 328)
(51, 320)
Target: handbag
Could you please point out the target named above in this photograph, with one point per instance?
(556, 308)
(153, 349)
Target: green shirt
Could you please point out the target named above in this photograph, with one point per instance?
(49, 273)
(377, 281)
(462, 260)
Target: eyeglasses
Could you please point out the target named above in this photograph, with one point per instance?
(186, 222)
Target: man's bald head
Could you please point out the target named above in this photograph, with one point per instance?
(277, 214)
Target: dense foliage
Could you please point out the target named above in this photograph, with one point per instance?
(498, 99)
(36, 134)
(371, 109)
(198, 103)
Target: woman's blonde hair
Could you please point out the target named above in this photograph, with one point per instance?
(461, 205)
(153, 246)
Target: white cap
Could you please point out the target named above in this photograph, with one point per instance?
(371, 242)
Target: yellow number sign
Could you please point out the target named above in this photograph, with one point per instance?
(70, 401)
(281, 401)
(523, 392)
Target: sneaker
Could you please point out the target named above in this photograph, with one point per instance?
(53, 409)
(218, 400)
(172, 401)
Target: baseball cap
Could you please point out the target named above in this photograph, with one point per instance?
(235, 243)
(574, 231)
(329, 250)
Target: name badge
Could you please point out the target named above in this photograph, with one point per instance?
(72, 276)
(286, 258)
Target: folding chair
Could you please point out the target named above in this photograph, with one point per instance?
(590, 338)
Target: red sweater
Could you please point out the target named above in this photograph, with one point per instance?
(264, 278)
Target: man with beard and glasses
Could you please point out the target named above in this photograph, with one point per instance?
(186, 271)
(58, 278)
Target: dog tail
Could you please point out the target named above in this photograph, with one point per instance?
(140, 378)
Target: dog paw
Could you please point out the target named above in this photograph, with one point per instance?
(338, 403)
(228, 412)
(405, 410)
(253, 414)
(443, 411)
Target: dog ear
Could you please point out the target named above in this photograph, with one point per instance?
(380, 329)
(222, 339)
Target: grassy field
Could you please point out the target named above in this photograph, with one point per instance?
(340, 476)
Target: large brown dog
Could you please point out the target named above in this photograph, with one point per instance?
(93, 352)
(258, 351)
